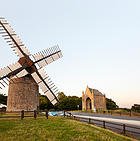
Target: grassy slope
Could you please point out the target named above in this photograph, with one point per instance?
(54, 129)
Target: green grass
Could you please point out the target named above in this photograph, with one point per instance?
(54, 129)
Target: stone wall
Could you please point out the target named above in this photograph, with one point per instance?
(98, 100)
(23, 94)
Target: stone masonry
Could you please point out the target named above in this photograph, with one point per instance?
(93, 100)
(23, 94)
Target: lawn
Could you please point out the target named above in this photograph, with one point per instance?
(54, 129)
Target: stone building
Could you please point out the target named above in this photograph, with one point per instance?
(23, 94)
(93, 100)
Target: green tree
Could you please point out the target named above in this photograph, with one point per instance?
(136, 108)
(69, 102)
(61, 96)
(65, 103)
(110, 104)
(44, 103)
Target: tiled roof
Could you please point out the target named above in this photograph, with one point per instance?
(95, 91)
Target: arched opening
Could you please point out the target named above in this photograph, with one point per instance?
(88, 104)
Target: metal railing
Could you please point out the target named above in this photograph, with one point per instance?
(128, 130)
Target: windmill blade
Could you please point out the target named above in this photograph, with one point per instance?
(4, 82)
(12, 39)
(12, 71)
(21, 74)
(47, 56)
(44, 82)
(8, 71)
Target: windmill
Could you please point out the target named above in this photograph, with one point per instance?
(27, 75)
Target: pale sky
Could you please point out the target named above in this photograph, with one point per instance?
(99, 40)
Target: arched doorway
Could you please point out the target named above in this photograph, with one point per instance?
(88, 104)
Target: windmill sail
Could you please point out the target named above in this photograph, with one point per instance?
(14, 70)
(9, 70)
(4, 82)
(47, 56)
(29, 67)
(20, 74)
(12, 39)
(46, 85)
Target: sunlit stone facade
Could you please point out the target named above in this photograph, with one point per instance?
(93, 100)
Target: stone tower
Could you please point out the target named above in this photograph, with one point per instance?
(23, 94)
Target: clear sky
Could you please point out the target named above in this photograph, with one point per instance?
(99, 40)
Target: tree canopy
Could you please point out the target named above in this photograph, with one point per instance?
(110, 104)
(44, 103)
(136, 108)
(65, 103)
(69, 102)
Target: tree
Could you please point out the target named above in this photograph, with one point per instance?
(44, 103)
(65, 103)
(69, 102)
(136, 108)
(3, 99)
(110, 104)
(61, 96)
